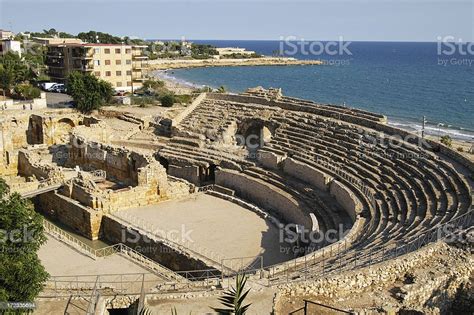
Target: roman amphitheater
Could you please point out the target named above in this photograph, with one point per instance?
(326, 209)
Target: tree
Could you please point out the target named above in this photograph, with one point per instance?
(447, 141)
(13, 70)
(103, 38)
(89, 93)
(22, 276)
(7, 77)
(221, 89)
(234, 298)
(27, 91)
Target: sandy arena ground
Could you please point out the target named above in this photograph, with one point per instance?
(217, 225)
(61, 260)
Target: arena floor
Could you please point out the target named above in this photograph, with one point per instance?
(217, 225)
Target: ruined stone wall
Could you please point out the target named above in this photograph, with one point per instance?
(276, 202)
(435, 274)
(115, 232)
(189, 173)
(13, 136)
(30, 165)
(83, 220)
(119, 163)
(307, 173)
(53, 129)
(345, 198)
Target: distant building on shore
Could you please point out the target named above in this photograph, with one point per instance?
(124, 66)
(227, 51)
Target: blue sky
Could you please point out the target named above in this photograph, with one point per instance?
(378, 20)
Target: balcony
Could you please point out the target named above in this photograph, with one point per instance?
(138, 65)
(54, 54)
(85, 67)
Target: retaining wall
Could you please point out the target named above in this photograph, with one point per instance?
(275, 201)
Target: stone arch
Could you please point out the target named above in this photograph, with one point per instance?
(254, 133)
(67, 121)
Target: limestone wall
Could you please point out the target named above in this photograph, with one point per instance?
(13, 136)
(83, 220)
(129, 167)
(115, 232)
(29, 165)
(272, 199)
(437, 271)
(53, 129)
(345, 198)
(307, 173)
(189, 173)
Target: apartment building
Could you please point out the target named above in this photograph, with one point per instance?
(124, 66)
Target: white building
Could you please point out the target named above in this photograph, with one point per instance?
(225, 51)
(10, 45)
(6, 34)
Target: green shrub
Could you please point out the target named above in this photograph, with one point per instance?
(183, 99)
(446, 140)
(27, 91)
(167, 100)
(153, 84)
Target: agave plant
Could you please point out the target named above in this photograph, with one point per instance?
(234, 298)
(145, 311)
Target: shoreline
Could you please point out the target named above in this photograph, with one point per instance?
(167, 64)
(459, 140)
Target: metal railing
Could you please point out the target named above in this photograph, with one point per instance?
(343, 257)
(120, 248)
(334, 261)
(93, 299)
(152, 232)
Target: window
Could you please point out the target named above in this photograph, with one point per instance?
(128, 51)
(119, 84)
(129, 83)
(107, 62)
(107, 50)
(129, 72)
(108, 73)
(118, 62)
(97, 50)
(129, 62)
(97, 62)
(97, 73)
(117, 50)
(118, 73)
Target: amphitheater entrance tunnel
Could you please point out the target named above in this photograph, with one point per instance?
(207, 175)
(253, 134)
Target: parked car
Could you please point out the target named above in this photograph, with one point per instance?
(58, 88)
(47, 85)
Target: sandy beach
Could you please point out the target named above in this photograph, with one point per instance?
(163, 64)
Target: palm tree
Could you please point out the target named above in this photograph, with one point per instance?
(221, 89)
(234, 298)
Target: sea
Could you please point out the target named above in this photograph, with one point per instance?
(406, 81)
